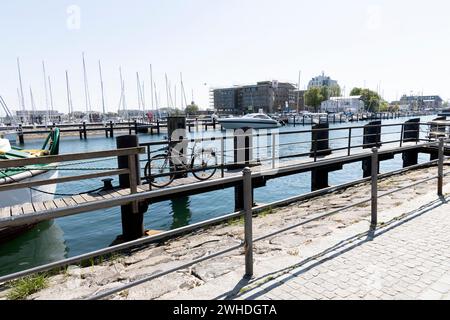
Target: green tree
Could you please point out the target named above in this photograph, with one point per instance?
(314, 97)
(384, 106)
(328, 92)
(371, 99)
(191, 109)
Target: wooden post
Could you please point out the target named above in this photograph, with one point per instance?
(132, 217)
(84, 130)
(411, 129)
(20, 133)
(319, 147)
(157, 126)
(176, 131)
(135, 127)
(111, 129)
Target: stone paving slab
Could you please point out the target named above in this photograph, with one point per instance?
(407, 258)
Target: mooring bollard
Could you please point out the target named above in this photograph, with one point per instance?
(248, 228)
(374, 189)
(440, 165)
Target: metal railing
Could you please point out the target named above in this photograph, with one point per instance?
(225, 154)
(248, 210)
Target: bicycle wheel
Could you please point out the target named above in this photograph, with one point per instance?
(158, 165)
(201, 163)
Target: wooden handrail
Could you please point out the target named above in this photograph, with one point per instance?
(70, 157)
(19, 185)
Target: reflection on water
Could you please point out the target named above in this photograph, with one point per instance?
(181, 212)
(40, 245)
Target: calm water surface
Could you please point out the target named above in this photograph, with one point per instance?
(74, 235)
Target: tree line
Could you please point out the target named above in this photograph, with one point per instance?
(372, 100)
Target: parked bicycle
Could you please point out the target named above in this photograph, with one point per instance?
(162, 168)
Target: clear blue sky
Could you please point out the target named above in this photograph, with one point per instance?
(401, 46)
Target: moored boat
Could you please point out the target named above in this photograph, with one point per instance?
(251, 120)
(13, 197)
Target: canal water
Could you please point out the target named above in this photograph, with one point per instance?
(74, 235)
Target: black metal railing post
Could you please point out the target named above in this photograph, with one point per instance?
(349, 140)
(248, 203)
(374, 189)
(440, 166)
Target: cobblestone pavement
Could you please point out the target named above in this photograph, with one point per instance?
(408, 259)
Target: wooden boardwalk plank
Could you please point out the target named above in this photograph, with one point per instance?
(78, 199)
(105, 194)
(114, 193)
(69, 202)
(38, 206)
(27, 208)
(60, 203)
(124, 192)
(16, 210)
(49, 205)
(5, 212)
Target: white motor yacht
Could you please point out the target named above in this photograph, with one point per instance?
(251, 120)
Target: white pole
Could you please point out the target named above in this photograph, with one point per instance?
(86, 90)
(22, 98)
(69, 100)
(32, 105)
(298, 89)
(167, 91)
(46, 93)
(151, 84)
(51, 95)
(101, 88)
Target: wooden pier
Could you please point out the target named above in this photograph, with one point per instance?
(134, 195)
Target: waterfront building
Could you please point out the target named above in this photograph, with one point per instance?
(352, 104)
(38, 116)
(421, 102)
(322, 81)
(270, 96)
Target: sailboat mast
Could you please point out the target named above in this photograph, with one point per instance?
(32, 105)
(151, 84)
(156, 100)
(22, 98)
(51, 96)
(175, 95)
(69, 98)
(101, 88)
(183, 93)
(122, 84)
(167, 92)
(86, 89)
(138, 86)
(46, 92)
(298, 89)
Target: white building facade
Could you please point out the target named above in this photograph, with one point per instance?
(352, 104)
(322, 81)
